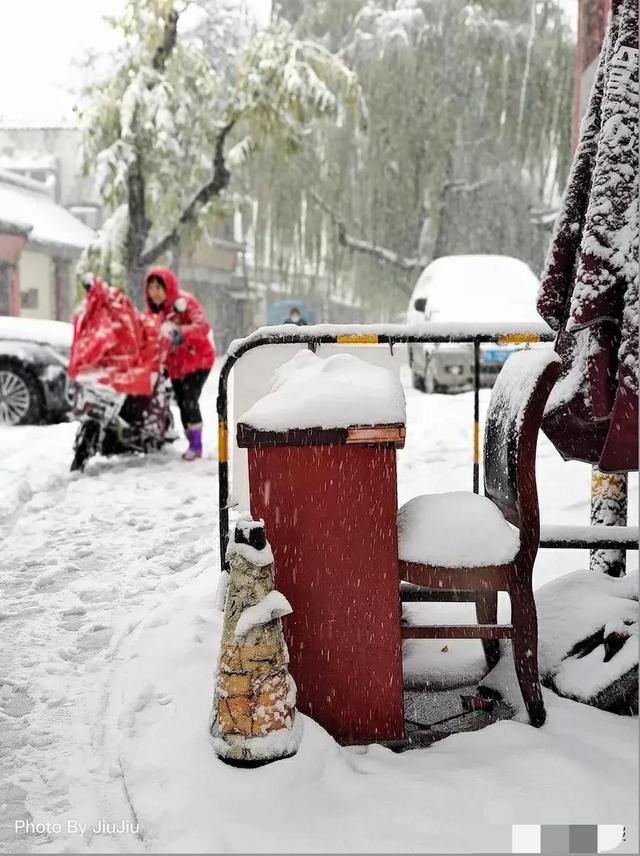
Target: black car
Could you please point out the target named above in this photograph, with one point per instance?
(34, 355)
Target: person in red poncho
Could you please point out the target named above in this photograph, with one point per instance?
(192, 353)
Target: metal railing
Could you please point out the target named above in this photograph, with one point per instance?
(392, 335)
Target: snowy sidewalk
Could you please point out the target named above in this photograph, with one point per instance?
(84, 560)
(108, 644)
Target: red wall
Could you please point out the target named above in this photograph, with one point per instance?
(14, 294)
(10, 248)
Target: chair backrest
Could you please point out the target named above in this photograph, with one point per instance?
(513, 422)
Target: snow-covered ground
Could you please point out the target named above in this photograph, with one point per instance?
(108, 637)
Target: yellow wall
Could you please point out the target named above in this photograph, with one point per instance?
(36, 271)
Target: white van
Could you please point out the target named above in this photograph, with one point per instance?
(478, 288)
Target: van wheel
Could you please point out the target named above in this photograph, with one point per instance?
(430, 385)
(417, 381)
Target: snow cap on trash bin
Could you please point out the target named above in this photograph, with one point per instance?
(342, 390)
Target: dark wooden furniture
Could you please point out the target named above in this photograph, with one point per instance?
(513, 422)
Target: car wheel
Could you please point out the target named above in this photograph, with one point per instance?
(20, 402)
(430, 385)
(418, 381)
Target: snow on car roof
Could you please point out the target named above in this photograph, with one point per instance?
(57, 333)
(479, 288)
(27, 203)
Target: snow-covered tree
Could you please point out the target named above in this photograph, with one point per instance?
(469, 123)
(163, 130)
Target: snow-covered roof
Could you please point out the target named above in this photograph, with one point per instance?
(23, 201)
(28, 162)
(56, 333)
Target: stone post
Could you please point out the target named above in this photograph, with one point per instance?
(608, 508)
(253, 720)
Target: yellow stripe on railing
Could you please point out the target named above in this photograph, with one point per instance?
(357, 340)
(476, 443)
(223, 443)
(518, 338)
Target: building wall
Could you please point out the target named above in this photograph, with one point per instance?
(35, 271)
(208, 272)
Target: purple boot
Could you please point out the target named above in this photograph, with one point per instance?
(194, 436)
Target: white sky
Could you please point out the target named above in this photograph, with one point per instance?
(41, 39)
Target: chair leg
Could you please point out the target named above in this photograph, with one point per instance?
(525, 652)
(487, 612)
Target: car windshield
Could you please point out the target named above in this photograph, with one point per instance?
(482, 289)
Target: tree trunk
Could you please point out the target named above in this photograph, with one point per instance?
(135, 281)
(440, 242)
(137, 232)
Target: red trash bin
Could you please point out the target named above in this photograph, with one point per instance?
(328, 497)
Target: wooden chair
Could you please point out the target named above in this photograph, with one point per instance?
(457, 543)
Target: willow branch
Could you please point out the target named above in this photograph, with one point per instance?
(358, 245)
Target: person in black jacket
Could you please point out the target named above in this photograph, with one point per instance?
(295, 317)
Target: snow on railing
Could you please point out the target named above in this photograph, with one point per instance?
(582, 537)
(396, 333)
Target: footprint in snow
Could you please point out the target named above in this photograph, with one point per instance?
(71, 623)
(94, 640)
(97, 594)
(73, 617)
(14, 700)
(54, 579)
(13, 808)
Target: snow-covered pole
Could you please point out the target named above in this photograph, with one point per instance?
(253, 720)
(608, 508)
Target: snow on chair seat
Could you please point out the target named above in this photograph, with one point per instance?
(459, 542)
(430, 531)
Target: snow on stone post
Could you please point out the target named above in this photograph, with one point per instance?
(608, 508)
(254, 719)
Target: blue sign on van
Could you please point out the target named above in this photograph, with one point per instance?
(496, 355)
(279, 313)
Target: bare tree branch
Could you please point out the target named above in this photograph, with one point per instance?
(219, 181)
(463, 187)
(382, 254)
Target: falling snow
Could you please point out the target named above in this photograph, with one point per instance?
(110, 631)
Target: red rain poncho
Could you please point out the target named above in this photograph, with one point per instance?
(113, 344)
